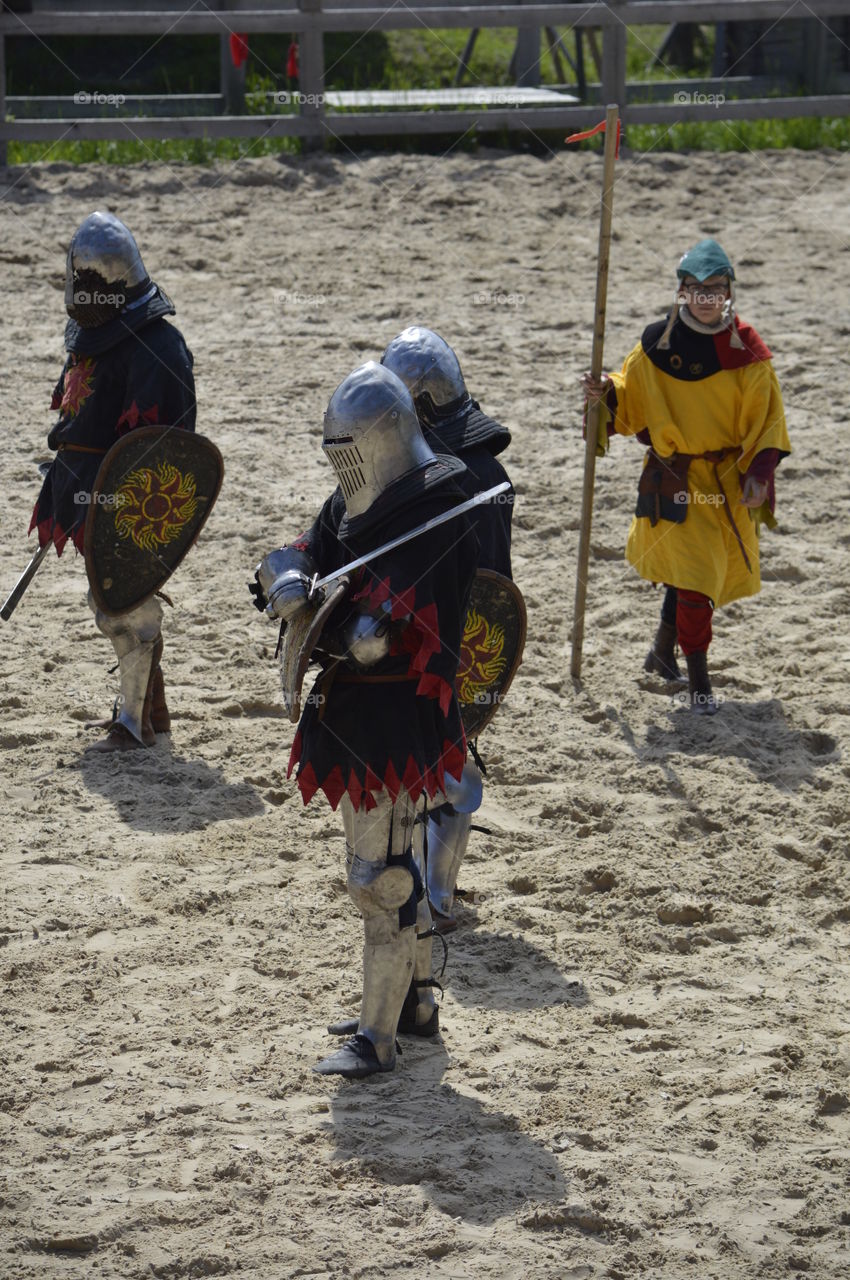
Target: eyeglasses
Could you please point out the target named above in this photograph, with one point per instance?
(705, 292)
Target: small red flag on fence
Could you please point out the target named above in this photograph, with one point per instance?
(292, 61)
(238, 49)
(588, 133)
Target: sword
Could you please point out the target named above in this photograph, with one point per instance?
(318, 583)
(11, 601)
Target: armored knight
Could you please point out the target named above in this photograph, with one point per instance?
(453, 422)
(381, 731)
(126, 367)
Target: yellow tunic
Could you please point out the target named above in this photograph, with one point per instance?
(737, 408)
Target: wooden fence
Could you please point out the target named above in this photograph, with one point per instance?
(309, 20)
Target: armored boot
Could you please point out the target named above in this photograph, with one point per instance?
(661, 659)
(382, 888)
(699, 685)
(419, 1014)
(132, 728)
(135, 637)
(387, 971)
(448, 837)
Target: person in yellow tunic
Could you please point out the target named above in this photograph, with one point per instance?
(700, 390)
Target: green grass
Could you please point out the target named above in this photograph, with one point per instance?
(429, 59)
(171, 151)
(808, 133)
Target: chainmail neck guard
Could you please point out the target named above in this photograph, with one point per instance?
(152, 304)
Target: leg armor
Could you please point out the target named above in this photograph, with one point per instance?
(420, 1015)
(383, 883)
(448, 836)
(136, 640)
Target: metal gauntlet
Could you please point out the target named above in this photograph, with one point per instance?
(284, 578)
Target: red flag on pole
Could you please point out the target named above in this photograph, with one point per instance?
(599, 128)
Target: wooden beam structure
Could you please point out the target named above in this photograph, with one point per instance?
(312, 19)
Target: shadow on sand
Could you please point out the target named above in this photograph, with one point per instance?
(158, 791)
(531, 979)
(412, 1128)
(759, 734)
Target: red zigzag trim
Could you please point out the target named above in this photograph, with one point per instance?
(432, 781)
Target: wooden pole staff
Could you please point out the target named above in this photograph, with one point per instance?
(606, 212)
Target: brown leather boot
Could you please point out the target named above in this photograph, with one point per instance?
(160, 715)
(661, 659)
(699, 685)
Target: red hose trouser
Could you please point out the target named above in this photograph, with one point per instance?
(693, 621)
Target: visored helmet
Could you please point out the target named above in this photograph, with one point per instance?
(431, 372)
(104, 270)
(372, 435)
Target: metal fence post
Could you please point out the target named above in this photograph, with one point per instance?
(232, 81)
(311, 77)
(231, 78)
(527, 55)
(614, 60)
(2, 96)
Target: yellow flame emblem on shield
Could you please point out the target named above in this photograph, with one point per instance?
(482, 659)
(153, 506)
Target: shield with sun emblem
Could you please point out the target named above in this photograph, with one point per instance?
(491, 648)
(153, 493)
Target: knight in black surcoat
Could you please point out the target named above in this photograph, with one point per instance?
(126, 367)
(381, 732)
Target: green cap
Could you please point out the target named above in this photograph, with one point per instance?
(704, 260)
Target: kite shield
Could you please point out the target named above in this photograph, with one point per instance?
(491, 649)
(151, 498)
(299, 640)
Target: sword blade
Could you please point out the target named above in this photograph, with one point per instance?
(11, 601)
(459, 510)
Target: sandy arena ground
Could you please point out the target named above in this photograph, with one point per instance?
(645, 1060)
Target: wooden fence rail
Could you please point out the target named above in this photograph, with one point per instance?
(316, 16)
(311, 19)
